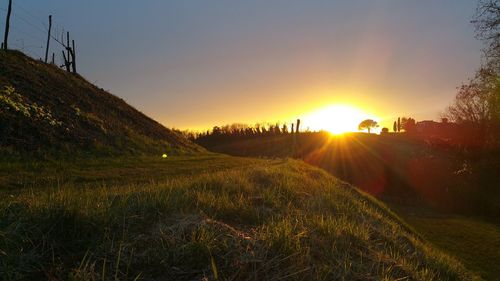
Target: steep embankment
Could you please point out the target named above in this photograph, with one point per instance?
(401, 168)
(45, 109)
(396, 167)
(419, 179)
(203, 218)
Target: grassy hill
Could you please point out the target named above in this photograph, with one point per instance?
(396, 167)
(379, 165)
(454, 206)
(46, 110)
(196, 217)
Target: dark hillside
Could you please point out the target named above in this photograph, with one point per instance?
(44, 109)
(396, 168)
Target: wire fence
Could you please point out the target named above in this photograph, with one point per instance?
(29, 30)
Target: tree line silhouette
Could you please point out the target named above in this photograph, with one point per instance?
(238, 131)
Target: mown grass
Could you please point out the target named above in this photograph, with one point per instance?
(21, 174)
(473, 241)
(214, 217)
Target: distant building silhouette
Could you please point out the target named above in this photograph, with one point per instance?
(427, 127)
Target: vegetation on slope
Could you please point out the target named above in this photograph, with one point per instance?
(473, 241)
(187, 218)
(418, 179)
(45, 109)
(395, 167)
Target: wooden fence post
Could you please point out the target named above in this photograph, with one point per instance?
(66, 62)
(67, 48)
(7, 26)
(48, 39)
(73, 56)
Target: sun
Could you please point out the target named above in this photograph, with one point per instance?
(337, 119)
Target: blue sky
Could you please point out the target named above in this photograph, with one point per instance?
(195, 64)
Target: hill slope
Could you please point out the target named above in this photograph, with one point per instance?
(43, 108)
(396, 167)
(202, 218)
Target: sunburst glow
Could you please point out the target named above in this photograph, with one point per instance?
(337, 119)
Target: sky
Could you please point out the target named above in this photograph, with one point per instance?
(195, 64)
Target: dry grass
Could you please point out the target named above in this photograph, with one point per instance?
(251, 220)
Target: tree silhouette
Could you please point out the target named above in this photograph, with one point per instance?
(284, 130)
(367, 124)
(408, 124)
(216, 130)
(477, 105)
(487, 23)
(395, 127)
(471, 103)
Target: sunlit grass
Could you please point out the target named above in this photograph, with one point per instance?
(190, 218)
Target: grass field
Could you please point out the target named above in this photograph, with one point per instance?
(212, 216)
(475, 242)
